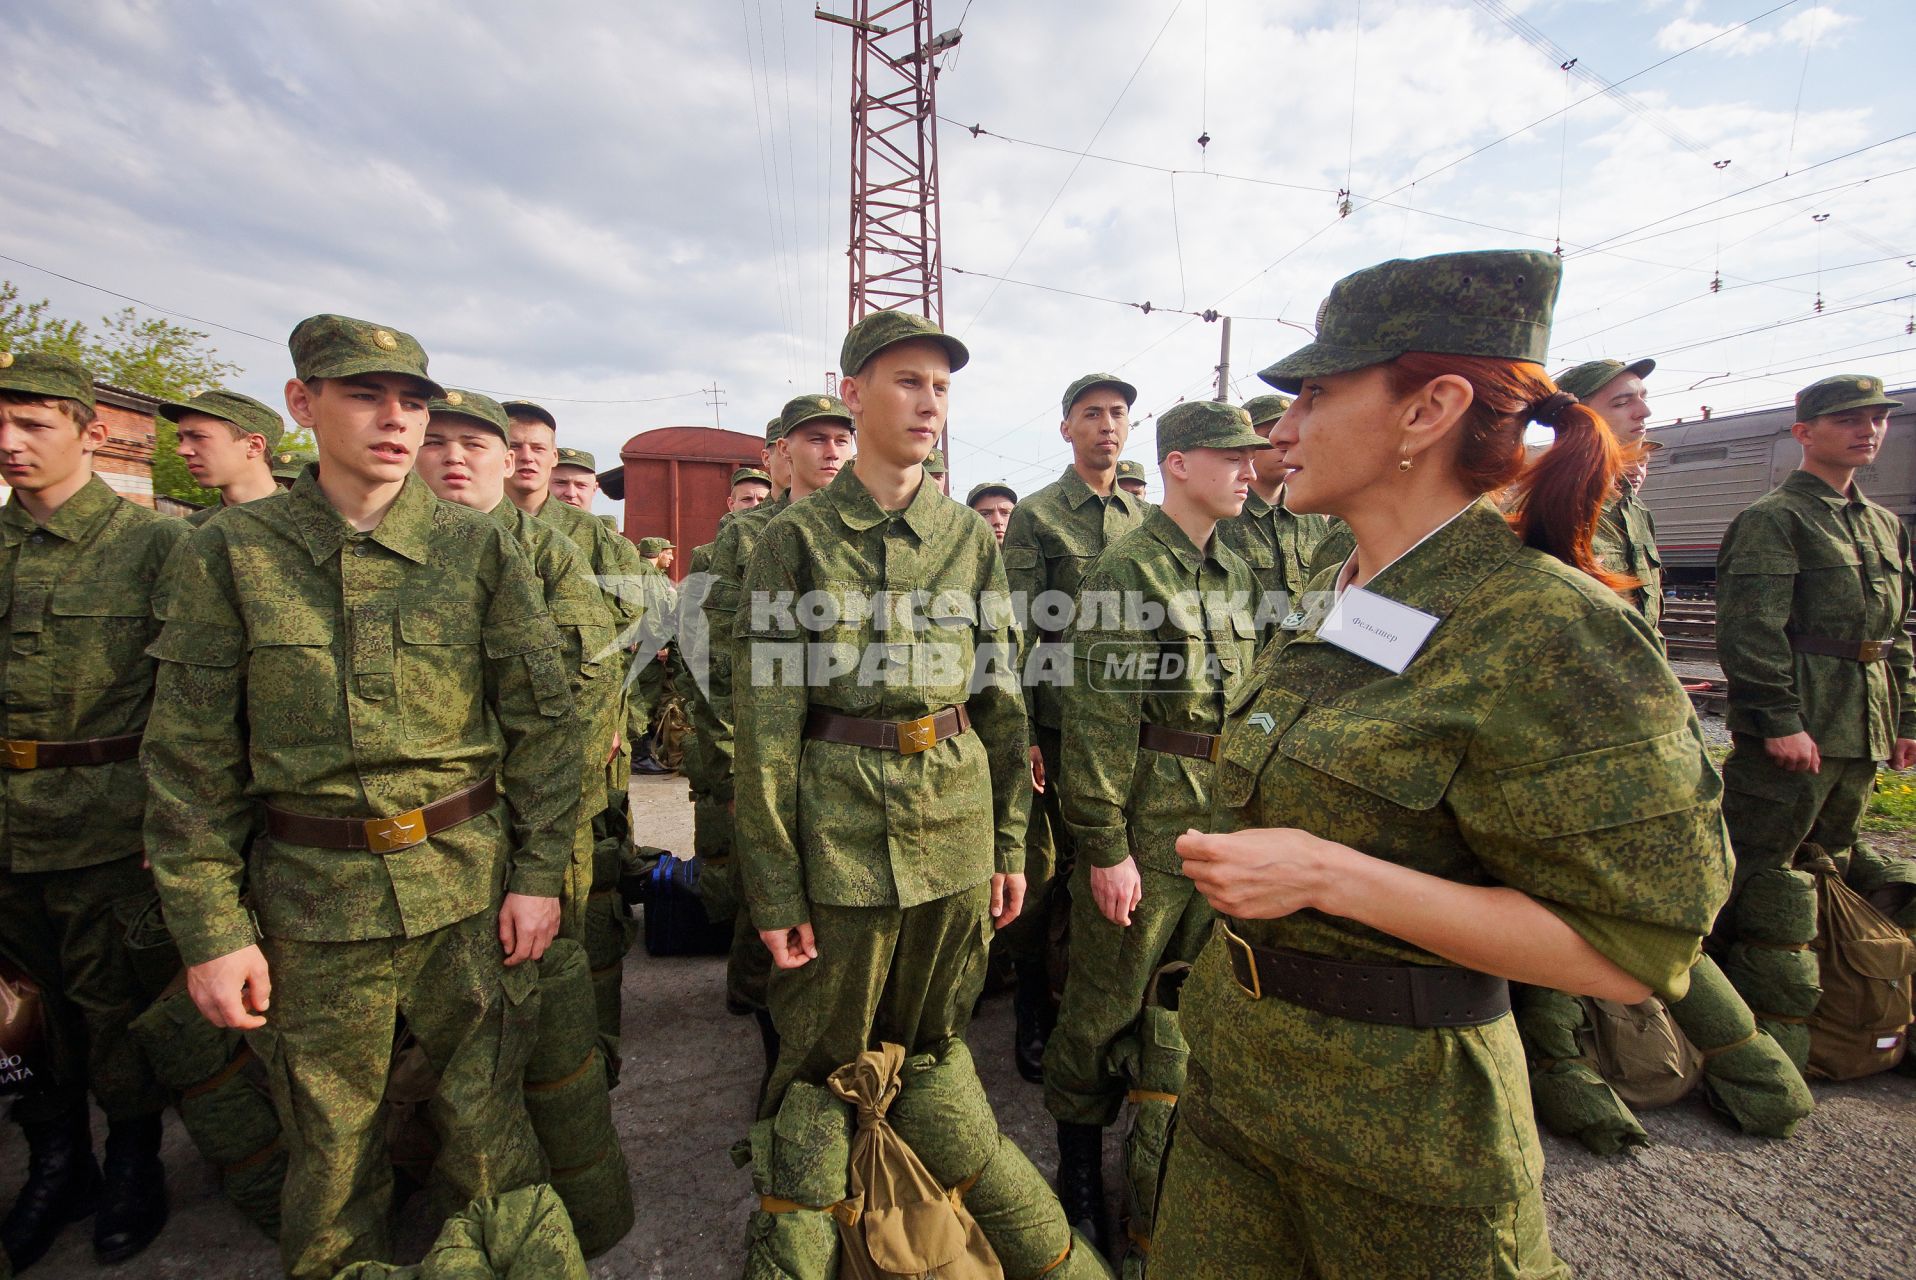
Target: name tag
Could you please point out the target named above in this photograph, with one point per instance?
(1377, 629)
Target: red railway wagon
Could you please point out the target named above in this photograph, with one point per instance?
(675, 480)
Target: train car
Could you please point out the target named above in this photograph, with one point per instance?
(1710, 470)
(674, 482)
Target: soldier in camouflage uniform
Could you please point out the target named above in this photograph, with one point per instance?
(463, 459)
(226, 441)
(935, 468)
(79, 573)
(1131, 478)
(575, 478)
(1814, 581)
(377, 669)
(654, 665)
(826, 440)
(881, 808)
(1476, 768)
(1164, 627)
(1626, 536)
(1053, 536)
(994, 502)
(1277, 543)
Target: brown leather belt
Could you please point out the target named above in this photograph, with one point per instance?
(1178, 742)
(1854, 650)
(382, 835)
(1403, 995)
(906, 737)
(25, 753)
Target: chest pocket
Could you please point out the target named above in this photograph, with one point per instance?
(588, 622)
(100, 630)
(1406, 767)
(441, 667)
(947, 645)
(1255, 723)
(294, 686)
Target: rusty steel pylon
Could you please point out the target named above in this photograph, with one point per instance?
(895, 257)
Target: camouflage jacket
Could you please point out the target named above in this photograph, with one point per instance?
(856, 826)
(588, 640)
(1053, 537)
(1538, 740)
(77, 595)
(328, 672)
(1333, 550)
(1805, 560)
(737, 539)
(1279, 547)
(1124, 800)
(1626, 542)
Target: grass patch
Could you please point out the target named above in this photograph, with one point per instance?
(1893, 807)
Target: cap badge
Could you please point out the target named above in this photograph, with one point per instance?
(384, 340)
(455, 398)
(6, 359)
(823, 403)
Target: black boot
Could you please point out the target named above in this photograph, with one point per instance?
(133, 1201)
(63, 1185)
(1081, 1182)
(1033, 1018)
(768, 1037)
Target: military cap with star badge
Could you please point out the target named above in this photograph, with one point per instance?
(1205, 424)
(1840, 393)
(484, 410)
(935, 463)
(743, 474)
(1091, 381)
(288, 463)
(576, 458)
(653, 546)
(1592, 376)
(527, 409)
(1264, 410)
(993, 486)
(41, 373)
(329, 346)
(1130, 469)
(883, 329)
(1495, 303)
(800, 410)
(244, 412)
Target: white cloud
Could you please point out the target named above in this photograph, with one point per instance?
(1806, 29)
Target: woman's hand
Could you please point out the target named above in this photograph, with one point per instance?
(1260, 874)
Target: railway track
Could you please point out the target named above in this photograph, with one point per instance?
(1689, 636)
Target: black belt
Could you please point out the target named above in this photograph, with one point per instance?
(1854, 650)
(1403, 995)
(1178, 742)
(906, 737)
(26, 753)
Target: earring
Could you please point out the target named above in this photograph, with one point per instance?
(1404, 465)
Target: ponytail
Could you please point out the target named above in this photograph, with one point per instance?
(1554, 502)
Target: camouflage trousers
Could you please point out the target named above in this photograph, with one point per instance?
(1111, 965)
(1229, 1209)
(894, 975)
(328, 1049)
(1770, 811)
(1048, 857)
(67, 930)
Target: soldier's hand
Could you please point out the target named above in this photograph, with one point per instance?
(1795, 754)
(1260, 874)
(1903, 754)
(1037, 770)
(1117, 890)
(527, 926)
(792, 947)
(232, 990)
(1007, 897)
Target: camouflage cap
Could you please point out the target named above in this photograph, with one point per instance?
(882, 329)
(244, 412)
(800, 410)
(774, 431)
(1090, 380)
(1495, 303)
(1592, 376)
(328, 346)
(1205, 424)
(288, 463)
(1841, 392)
(1130, 469)
(41, 373)
(744, 474)
(1264, 410)
(653, 546)
(989, 487)
(935, 463)
(527, 409)
(470, 404)
(576, 458)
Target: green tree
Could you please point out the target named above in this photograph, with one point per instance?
(152, 356)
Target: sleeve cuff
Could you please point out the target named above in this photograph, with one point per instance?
(1101, 846)
(1658, 956)
(217, 938)
(786, 913)
(1765, 724)
(536, 882)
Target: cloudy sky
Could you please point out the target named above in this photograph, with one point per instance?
(608, 207)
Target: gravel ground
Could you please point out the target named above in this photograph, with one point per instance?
(1702, 1203)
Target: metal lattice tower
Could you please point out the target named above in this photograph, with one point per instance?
(894, 250)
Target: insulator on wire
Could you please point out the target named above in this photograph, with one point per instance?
(1204, 140)
(1343, 203)
(1819, 302)
(1716, 283)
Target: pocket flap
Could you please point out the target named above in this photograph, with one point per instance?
(198, 644)
(97, 600)
(1890, 959)
(1608, 787)
(440, 622)
(1405, 766)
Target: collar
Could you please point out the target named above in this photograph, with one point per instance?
(1076, 493)
(1256, 508)
(1450, 563)
(78, 518)
(507, 514)
(860, 511)
(406, 528)
(1174, 539)
(1814, 486)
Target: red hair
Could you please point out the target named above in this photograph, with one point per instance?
(1556, 499)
